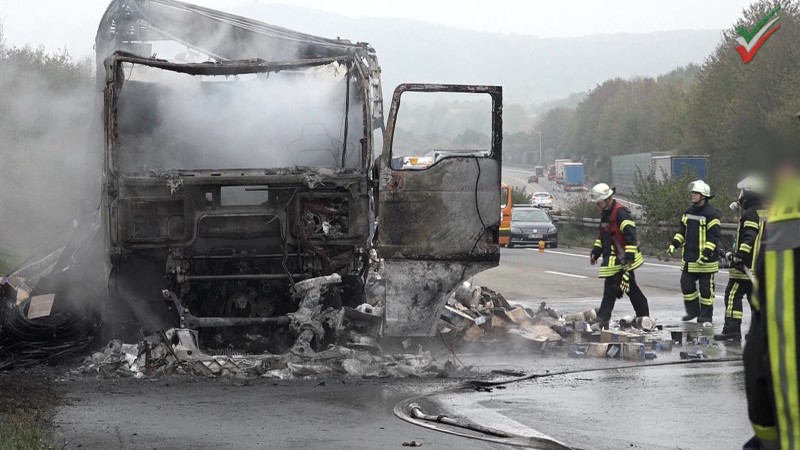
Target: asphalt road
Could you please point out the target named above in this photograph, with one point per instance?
(657, 407)
(682, 406)
(603, 406)
(563, 200)
(186, 413)
(561, 274)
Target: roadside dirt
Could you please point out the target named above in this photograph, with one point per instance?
(28, 398)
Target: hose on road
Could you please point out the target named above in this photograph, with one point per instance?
(533, 376)
(410, 410)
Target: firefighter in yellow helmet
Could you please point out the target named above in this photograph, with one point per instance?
(772, 367)
(698, 235)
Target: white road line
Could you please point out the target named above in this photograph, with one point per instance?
(565, 274)
(587, 256)
(560, 253)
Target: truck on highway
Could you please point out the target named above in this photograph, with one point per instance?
(236, 170)
(627, 169)
(559, 163)
(573, 176)
(676, 166)
(551, 172)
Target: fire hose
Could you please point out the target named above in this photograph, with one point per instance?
(410, 410)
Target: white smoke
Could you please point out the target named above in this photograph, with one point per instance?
(171, 120)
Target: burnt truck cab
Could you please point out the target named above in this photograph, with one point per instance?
(229, 180)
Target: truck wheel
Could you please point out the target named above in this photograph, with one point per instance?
(510, 245)
(554, 245)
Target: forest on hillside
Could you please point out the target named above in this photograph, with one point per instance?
(743, 116)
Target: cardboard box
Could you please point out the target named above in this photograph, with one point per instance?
(608, 336)
(473, 333)
(596, 349)
(458, 319)
(633, 350)
(518, 315)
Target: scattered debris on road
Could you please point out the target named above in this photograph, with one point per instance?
(176, 351)
(478, 315)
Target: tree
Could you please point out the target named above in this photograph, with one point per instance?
(48, 165)
(519, 196)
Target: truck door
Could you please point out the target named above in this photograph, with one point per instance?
(439, 195)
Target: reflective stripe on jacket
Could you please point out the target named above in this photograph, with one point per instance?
(698, 236)
(617, 243)
(772, 366)
(748, 237)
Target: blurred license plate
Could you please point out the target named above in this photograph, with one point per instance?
(535, 236)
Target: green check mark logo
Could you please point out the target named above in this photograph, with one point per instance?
(751, 40)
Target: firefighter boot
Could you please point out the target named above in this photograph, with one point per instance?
(600, 324)
(692, 310)
(732, 331)
(706, 313)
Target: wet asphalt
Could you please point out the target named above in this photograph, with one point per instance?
(604, 404)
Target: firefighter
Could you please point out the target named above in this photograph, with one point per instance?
(771, 363)
(745, 252)
(698, 236)
(618, 246)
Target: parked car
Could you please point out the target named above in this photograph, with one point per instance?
(529, 225)
(542, 200)
(533, 179)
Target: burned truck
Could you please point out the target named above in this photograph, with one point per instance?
(257, 157)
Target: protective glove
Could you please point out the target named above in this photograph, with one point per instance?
(737, 261)
(625, 284)
(671, 250)
(592, 259)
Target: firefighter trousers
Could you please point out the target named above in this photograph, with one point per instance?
(610, 292)
(698, 294)
(734, 293)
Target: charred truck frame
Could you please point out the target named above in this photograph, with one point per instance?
(228, 180)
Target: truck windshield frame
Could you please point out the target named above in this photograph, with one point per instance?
(345, 141)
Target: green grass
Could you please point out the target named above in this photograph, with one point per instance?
(573, 235)
(5, 263)
(22, 432)
(27, 399)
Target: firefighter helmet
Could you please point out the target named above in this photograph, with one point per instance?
(751, 185)
(702, 188)
(601, 192)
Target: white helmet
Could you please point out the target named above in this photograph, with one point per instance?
(601, 192)
(701, 188)
(752, 184)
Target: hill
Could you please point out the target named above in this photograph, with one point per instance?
(531, 69)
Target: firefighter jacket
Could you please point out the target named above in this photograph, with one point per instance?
(699, 235)
(771, 362)
(748, 236)
(617, 243)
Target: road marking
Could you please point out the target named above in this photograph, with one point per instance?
(586, 256)
(565, 274)
(575, 255)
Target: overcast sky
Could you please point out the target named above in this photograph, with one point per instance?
(72, 24)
